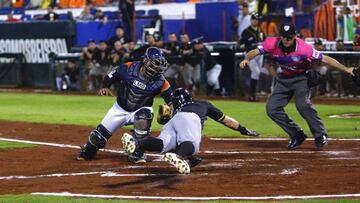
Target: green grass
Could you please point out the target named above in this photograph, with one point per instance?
(13, 145)
(50, 199)
(89, 110)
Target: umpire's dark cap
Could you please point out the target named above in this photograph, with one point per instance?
(288, 30)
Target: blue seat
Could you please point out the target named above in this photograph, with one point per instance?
(153, 12)
(5, 10)
(63, 16)
(140, 13)
(111, 15)
(25, 17)
(19, 11)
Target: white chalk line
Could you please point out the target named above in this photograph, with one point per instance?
(159, 155)
(282, 197)
(277, 139)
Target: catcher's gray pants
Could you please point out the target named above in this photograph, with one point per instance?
(184, 126)
(284, 89)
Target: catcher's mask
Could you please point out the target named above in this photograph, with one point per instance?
(155, 63)
(181, 97)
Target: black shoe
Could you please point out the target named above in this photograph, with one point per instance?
(321, 141)
(194, 161)
(84, 155)
(296, 141)
(137, 157)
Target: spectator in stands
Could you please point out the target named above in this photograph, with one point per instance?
(172, 52)
(11, 19)
(5, 3)
(99, 16)
(127, 9)
(70, 77)
(252, 6)
(99, 66)
(117, 54)
(129, 55)
(34, 4)
(244, 19)
(119, 36)
(347, 24)
(51, 15)
(262, 5)
(356, 44)
(269, 27)
(213, 69)
(86, 15)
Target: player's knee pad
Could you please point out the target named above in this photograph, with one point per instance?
(142, 122)
(99, 136)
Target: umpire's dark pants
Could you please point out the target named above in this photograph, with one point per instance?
(284, 90)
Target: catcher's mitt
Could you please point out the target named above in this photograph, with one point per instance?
(164, 114)
(356, 78)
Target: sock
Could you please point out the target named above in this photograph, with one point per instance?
(151, 144)
(242, 129)
(185, 149)
(253, 84)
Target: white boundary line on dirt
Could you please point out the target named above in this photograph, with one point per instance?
(276, 139)
(282, 197)
(159, 155)
(102, 174)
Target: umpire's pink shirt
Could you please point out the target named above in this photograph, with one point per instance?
(293, 63)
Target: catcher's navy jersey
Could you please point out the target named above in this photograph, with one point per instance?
(203, 109)
(133, 91)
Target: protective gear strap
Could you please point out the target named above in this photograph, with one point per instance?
(99, 137)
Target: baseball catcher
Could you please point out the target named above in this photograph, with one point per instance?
(139, 82)
(182, 133)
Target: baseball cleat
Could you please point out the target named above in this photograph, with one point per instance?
(136, 159)
(296, 141)
(321, 141)
(194, 161)
(180, 164)
(129, 143)
(83, 156)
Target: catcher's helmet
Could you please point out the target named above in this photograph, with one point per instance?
(154, 63)
(181, 97)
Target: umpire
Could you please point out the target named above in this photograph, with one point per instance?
(294, 57)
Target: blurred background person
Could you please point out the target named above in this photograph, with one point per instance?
(244, 19)
(11, 19)
(51, 15)
(172, 51)
(70, 79)
(250, 38)
(119, 36)
(86, 15)
(117, 54)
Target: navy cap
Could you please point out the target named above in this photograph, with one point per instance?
(288, 30)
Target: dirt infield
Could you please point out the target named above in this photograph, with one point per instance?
(230, 167)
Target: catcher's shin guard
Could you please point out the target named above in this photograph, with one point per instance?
(97, 139)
